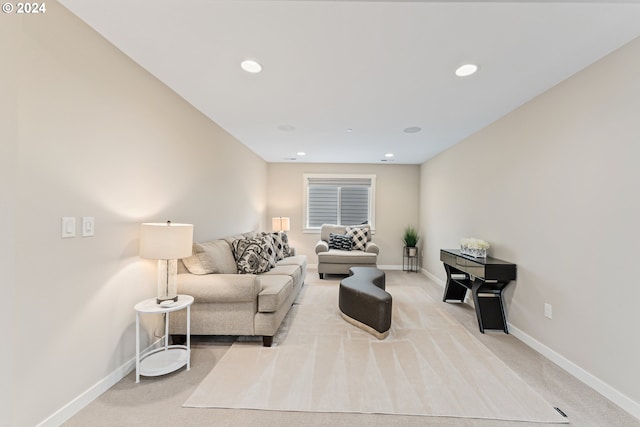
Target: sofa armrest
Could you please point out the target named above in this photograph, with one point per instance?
(372, 247)
(322, 246)
(219, 287)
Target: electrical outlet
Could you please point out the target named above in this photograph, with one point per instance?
(548, 311)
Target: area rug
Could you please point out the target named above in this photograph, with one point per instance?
(429, 365)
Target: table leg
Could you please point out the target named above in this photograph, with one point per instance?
(476, 302)
(489, 308)
(137, 347)
(188, 337)
(166, 331)
(453, 290)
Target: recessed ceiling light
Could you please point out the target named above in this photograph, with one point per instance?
(349, 130)
(251, 66)
(466, 70)
(412, 129)
(286, 128)
(389, 155)
(301, 153)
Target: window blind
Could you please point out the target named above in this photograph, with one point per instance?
(338, 200)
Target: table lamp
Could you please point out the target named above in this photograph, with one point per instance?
(281, 223)
(166, 242)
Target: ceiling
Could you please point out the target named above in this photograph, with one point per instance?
(342, 80)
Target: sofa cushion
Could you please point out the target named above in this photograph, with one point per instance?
(360, 237)
(334, 256)
(253, 255)
(219, 288)
(340, 241)
(210, 257)
(292, 270)
(274, 291)
(299, 260)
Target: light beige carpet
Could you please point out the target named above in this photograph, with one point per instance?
(428, 365)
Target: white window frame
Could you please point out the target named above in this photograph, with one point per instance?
(346, 177)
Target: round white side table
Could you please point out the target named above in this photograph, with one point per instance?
(167, 358)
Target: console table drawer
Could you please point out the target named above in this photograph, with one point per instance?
(463, 264)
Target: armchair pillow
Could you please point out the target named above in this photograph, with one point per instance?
(360, 237)
(342, 242)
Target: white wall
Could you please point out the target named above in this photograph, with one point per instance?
(553, 186)
(99, 136)
(397, 201)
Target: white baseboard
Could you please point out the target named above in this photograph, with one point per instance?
(592, 381)
(390, 267)
(76, 405)
(433, 277)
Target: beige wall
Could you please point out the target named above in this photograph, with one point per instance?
(8, 134)
(397, 201)
(553, 186)
(98, 136)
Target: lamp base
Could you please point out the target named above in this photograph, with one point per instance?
(167, 281)
(167, 298)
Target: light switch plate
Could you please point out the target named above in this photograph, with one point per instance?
(87, 226)
(68, 227)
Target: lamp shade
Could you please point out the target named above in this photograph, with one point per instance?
(166, 240)
(280, 224)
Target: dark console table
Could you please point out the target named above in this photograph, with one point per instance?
(486, 278)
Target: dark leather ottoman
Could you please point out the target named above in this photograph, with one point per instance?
(363, 301)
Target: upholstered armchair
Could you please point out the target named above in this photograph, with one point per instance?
(336, 257)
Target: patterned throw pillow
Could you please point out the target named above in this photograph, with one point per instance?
(286, 249)
(252, 255)
(360, 236)
(278, 244)
(340, 241)
(268, 245)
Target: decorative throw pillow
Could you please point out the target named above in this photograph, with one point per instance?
(278, 244)
(340, 241)
(268, 246)
(213, 256)
(286, 249)
(359, 236)
(251, 256)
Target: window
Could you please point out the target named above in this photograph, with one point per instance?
(338, 199)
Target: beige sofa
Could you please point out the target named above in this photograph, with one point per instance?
(336, 261)
(229, 303)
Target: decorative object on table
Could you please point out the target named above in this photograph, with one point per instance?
(410, 240)
(166, 242)
(475, 247)
(282, 223)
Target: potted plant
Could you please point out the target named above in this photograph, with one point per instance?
(410, 240)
